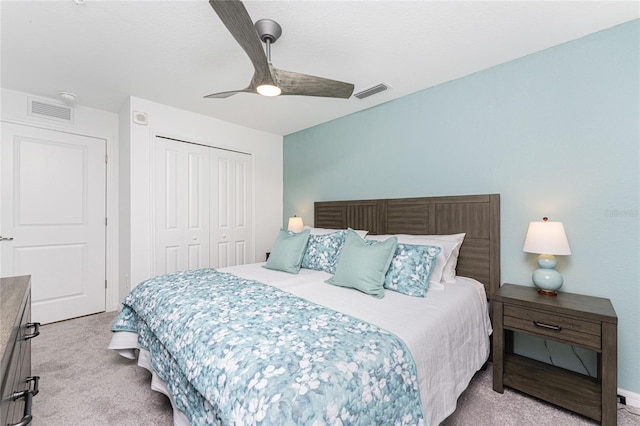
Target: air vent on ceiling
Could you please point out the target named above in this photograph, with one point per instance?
(39, 108)
(372, 91)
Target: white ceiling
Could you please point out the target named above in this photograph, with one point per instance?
(175, 52)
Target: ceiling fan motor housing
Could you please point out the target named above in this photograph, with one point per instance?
(268, 29)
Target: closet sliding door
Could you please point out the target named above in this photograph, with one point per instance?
(202, 207)
(231, 209)
(181, 213)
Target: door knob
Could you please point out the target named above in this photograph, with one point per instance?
(6, 238)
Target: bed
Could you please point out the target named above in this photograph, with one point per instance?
(255, 345)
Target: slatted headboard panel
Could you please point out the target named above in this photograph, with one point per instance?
(476, 215)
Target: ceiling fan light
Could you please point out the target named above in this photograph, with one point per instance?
(268, 90)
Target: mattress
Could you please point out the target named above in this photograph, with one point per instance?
(447, 332)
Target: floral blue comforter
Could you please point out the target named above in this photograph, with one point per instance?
(236, 351)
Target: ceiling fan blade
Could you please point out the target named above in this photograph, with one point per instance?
(293, 83)
(235, 17)
(251, 88)
(222, 95)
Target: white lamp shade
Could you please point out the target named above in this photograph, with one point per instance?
(546, 238)
(295, 224)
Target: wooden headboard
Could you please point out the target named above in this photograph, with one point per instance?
(476, 215)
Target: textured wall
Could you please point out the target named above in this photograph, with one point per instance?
(555, 133)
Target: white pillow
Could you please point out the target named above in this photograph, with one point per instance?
(448, 247)
(324, 231)
(449, 273)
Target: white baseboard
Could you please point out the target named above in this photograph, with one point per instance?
(633, 399)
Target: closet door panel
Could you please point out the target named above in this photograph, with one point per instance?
(181, 213)
(232, 230)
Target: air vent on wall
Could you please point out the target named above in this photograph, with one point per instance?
(42, 109)
(371, 91)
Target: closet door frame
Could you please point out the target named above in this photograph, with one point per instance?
(213, 236)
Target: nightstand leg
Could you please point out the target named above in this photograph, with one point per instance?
(498, 347)
(608, 373)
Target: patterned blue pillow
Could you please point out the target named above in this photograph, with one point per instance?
(323, 251)
(410, 269)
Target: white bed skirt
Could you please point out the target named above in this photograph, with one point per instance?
(126, 344)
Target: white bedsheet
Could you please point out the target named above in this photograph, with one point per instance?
(446, 332)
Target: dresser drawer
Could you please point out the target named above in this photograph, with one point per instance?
(553, 326)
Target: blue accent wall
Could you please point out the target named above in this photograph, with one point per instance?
(556, 133)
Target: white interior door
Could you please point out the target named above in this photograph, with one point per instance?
(231, 209)
(53, 208)
(181, 214)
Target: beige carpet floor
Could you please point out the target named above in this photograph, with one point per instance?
(84, 383)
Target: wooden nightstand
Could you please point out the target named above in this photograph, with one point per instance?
(584, 321)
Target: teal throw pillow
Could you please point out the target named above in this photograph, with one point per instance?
(286, 254)
(362, 266)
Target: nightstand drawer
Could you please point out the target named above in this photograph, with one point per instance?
(556, 327)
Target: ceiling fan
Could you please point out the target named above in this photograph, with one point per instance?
(268, 80)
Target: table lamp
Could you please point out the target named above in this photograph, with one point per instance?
(547, 239)
(295, 224)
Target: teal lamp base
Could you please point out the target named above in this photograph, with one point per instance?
(546, 279)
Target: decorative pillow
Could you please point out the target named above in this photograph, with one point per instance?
(410, 269)
(449, 270)
(323, 251)
(449, 267)
(286, 254)
(427, 240)
(362, 266)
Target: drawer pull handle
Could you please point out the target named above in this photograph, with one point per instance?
(36, 330)
(549, 326)
(35, 380)
(28, 400)
(33, 392)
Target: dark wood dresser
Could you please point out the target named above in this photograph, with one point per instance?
(572, 319)
(16, 331)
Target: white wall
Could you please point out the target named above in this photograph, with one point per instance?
(136, 219)
(87, 122)
(129, 174)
